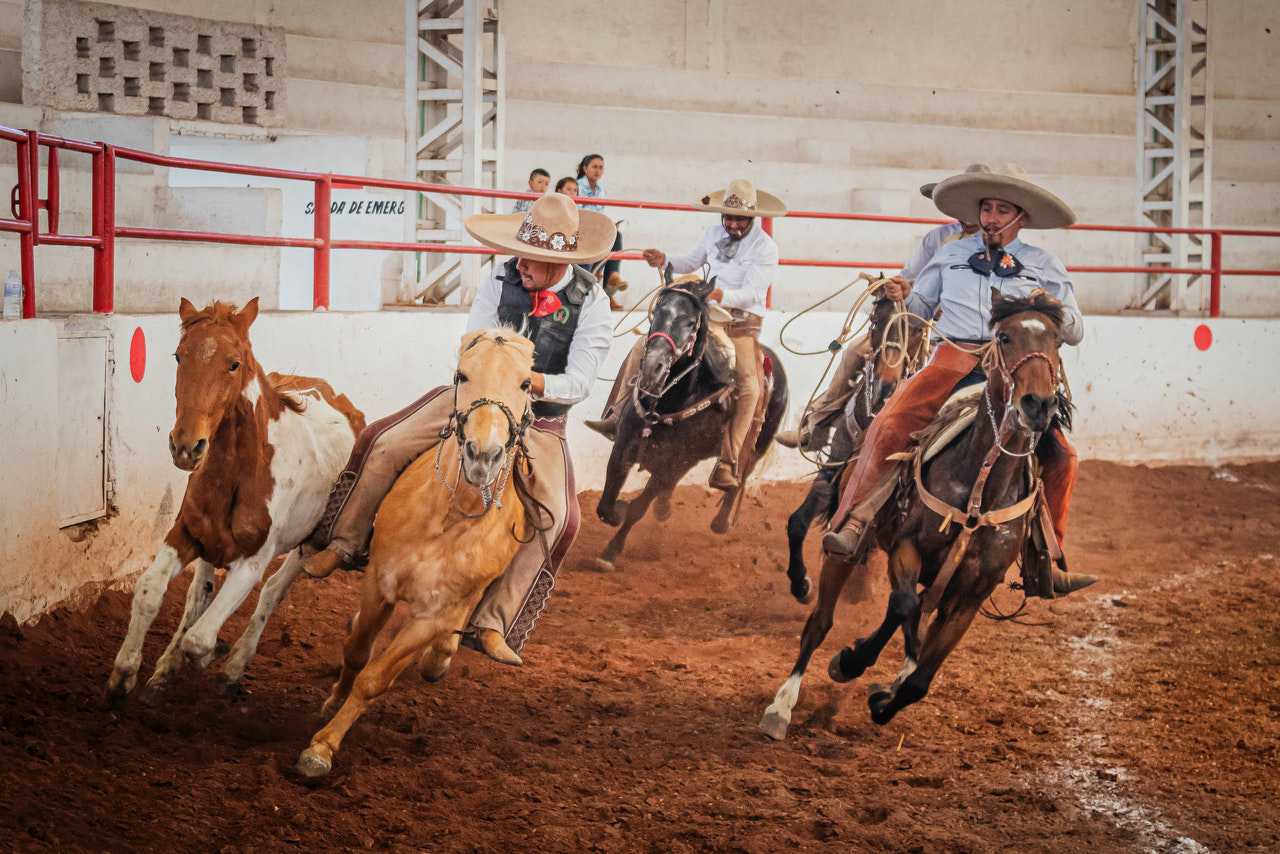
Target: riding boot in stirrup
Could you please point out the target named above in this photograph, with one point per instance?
(324, 562)
(494, 645)
(607, 426)
(845, 540)
(1066, 583)
(722, 477)
(788, 438)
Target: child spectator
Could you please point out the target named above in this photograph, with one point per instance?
(568, 186)
(538, 181)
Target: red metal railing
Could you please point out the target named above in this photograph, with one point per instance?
(26, 205)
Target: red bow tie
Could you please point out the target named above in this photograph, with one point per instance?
(544, 302)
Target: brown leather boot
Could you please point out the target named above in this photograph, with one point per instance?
(788, 438)
(722, 477)
(1066, 583)
(494, 645)
(324, 562)
(607, 426)
(843, 542)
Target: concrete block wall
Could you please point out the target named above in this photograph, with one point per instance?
(97, 57)
(1144, 391)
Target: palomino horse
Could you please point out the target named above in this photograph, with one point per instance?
(443, 533)
(678, 413)
(987, 475)
(263, 450)
(902, 335)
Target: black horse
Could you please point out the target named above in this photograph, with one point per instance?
(678, 412)
(887, 364)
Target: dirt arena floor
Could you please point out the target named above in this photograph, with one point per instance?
(1145, 716)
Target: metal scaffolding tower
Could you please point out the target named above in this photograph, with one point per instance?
(455, 105)
(1175, 146)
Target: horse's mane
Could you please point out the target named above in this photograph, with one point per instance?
(217, 311)
(1039, 301)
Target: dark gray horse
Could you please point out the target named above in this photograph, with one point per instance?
(678, 413)
(886, 366)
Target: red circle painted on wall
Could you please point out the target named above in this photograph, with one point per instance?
(138, 355)
(1203, 337)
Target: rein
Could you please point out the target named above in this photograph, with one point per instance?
(456, 426)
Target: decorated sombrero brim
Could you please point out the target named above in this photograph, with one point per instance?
(554, 230)
(741, 198)
(926, 190)
(960, 196)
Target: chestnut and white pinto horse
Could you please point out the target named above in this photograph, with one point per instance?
(263, 451)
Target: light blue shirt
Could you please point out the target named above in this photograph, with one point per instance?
(585, 191)
(932, 242)
(964, 295)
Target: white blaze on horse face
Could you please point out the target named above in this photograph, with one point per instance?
(1033, 324)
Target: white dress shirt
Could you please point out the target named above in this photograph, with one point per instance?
(588, 350)
(743, 269)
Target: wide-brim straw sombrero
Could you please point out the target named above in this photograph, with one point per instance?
(552, 230)
(961, 195)
(926, 190)
(741, 198)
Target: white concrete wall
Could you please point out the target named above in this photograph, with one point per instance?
(1145, 394)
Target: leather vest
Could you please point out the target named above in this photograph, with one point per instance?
(551, 335)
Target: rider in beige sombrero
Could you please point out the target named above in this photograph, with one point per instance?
(960, 280)
(543, 295)
(743, 260)
(819, 417)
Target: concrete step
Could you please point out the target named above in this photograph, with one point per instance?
(688, 90)
(721, 137)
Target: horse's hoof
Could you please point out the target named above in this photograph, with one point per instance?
(119, 686)
(228, 687)
(662, 508)
(312, 765)
(842, 668)
(774, 725)
(879, 701)
(221, 648)
(719, 525)
(602, 565)
(802, 591)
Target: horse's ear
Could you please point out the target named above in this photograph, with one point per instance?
(667, 275)
(186, 310)
(244, 317)
(996, 297)
(704, 287)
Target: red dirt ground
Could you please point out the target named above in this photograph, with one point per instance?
(1146, 716)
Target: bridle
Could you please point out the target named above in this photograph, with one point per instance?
(457, 427)
(995, 359)
(695, 348)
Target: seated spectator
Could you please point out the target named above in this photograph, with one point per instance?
(568, 186)
(538, 181)
(590, 171)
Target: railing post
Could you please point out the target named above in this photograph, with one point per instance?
(28, 209)
(104, 228)
(766, 223)
(320, 276)
(1215, 276)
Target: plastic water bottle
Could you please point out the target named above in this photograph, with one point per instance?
(12, 296)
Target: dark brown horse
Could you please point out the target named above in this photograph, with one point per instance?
(891, 360)
(1018, 406)
(678, 414)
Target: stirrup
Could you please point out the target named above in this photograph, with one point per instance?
(845, 541)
